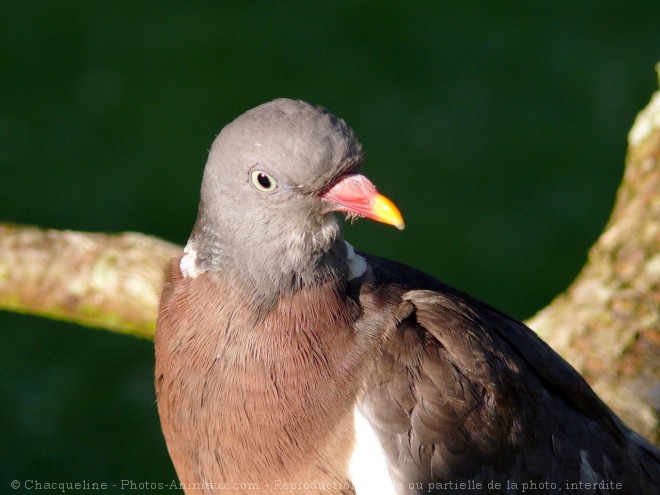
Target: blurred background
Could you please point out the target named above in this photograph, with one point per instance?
(498, 128)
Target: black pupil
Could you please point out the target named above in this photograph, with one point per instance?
(264, 180)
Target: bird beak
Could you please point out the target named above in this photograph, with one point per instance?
(355, 194)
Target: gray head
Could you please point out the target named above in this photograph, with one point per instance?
(265, 215)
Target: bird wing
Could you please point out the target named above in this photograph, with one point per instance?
(464, 393)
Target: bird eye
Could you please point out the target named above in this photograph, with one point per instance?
(263, 182)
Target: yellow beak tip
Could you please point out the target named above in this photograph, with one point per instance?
(385, 211)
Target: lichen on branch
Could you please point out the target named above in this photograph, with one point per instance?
(99, 280)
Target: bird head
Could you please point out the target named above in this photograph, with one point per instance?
(272, 181)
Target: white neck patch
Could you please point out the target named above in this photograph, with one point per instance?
(357, 265)
(367, 469)
(188, 266)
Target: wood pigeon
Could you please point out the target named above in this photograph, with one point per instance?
(288, 362)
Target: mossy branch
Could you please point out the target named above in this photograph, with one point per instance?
(607, 323)
(99, 280)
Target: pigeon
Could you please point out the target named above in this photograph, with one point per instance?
(288, 361)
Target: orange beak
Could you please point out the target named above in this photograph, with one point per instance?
(355, 194)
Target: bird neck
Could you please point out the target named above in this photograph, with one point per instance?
(269, 265)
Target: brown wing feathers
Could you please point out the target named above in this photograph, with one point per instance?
(463, 392)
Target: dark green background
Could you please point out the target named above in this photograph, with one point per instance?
(499, 128)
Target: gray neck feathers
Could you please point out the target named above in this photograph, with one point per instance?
(275, 256)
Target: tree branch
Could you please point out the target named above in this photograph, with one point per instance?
(606, 324)
(99, 280)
